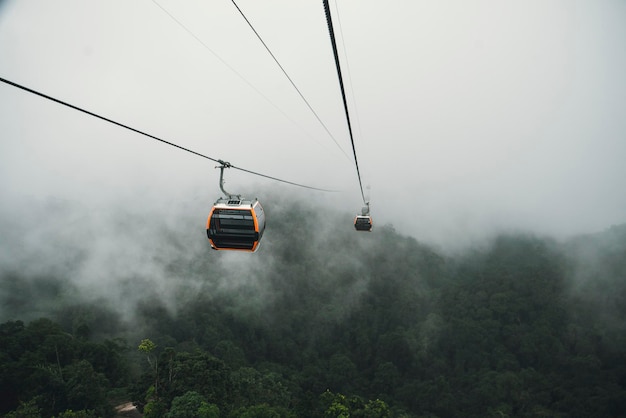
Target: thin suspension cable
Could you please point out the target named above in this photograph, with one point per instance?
(216, 56)
(238, 74)
(343, 44)
(288, 77)
(343, 91)
(61, 102)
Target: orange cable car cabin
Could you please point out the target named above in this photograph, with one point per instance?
(363, 223)
(235, 224)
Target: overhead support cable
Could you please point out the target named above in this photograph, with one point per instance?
(238, 74)
(288, 77)
(71, 106)
(345, 54)
(343, 91)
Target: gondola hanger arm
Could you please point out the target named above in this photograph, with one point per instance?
(225, 164)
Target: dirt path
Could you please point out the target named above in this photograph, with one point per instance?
(127, 410)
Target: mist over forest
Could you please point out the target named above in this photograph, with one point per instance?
(321, 321)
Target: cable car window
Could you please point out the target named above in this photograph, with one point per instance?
(232, 219)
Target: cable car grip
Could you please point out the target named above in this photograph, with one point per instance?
(225, 164)
(365, 210)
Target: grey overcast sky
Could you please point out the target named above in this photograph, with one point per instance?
(469, 116)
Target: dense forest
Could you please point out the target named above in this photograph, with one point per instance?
(321, 322)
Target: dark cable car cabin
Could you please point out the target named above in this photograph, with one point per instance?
(235, 224)
(363, 222)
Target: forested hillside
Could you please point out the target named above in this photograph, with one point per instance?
(321, 322)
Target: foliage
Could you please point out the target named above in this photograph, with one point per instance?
(54, 371)
(341, 406)
(155, 408)
(333, 325)
(192, 404)
(25, 410)
(78, 414)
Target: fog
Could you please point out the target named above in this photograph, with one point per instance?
(470, 119)
(127, 258)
